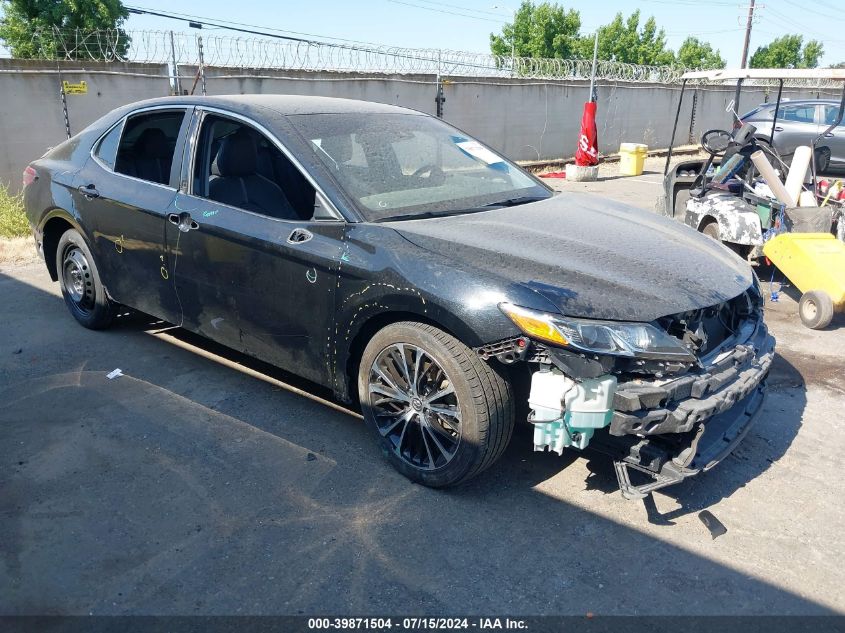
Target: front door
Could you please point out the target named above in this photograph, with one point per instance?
(796, 125)
(835, 139)
(124, 193)
(253, 269)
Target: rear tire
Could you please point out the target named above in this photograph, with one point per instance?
(815, 309)
(443, 418)
(80, 283)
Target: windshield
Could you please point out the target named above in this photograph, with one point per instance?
(408, 165)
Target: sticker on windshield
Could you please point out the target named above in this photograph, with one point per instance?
(477, 151)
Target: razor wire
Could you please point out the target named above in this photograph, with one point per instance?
(283, 53)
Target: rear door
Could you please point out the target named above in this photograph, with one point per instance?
(124, 195)
(797, 124)
(254, 269)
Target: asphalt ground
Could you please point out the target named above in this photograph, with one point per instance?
(203, 482)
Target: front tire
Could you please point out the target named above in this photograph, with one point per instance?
(440, 413)
(80, 282)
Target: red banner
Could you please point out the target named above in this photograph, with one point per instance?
(588, 153)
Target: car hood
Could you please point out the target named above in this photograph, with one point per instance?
(591, 257)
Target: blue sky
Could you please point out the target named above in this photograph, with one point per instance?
(466, 24)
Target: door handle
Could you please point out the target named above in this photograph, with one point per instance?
(184, 221)
(299, 236)
(778, 129)
(89, 191)
(829, 135)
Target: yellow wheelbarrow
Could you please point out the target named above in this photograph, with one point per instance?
(815, 264)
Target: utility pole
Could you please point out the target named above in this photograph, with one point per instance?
(747, 34)
(744, 62)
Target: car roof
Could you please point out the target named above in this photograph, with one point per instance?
(783, 102)
(281, 104)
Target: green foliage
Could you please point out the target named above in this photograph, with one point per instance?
(788, 51)
(694, 53)
(543, 30)
(13, 222)
(623, 40)
(27, 26)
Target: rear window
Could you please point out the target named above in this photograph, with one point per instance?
(147, 145)
(760, 113)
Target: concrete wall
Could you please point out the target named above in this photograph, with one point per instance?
(523, 118)
(32, 118)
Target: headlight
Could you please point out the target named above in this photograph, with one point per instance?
(599, 337)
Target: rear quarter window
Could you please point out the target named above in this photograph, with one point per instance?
(106, 150)
(760, 113)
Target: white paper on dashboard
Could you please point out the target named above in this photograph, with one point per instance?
(477, 150)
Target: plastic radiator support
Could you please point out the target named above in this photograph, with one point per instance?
(567, 413)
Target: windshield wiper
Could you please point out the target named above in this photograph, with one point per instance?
(512, 202)
(430, 214)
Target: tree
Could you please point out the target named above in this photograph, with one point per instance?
(788, 52)
(543, 30)
(699, 55)
(624, 41)
(33, 28)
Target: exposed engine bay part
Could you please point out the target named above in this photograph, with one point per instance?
(507, 351)
(662, 426)
(565, 412)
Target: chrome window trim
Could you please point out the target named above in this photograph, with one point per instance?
(122, 122)
(279, 145)
(197, 198)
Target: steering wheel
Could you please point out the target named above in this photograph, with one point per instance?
(715, 142)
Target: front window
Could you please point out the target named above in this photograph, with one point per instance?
(798, 113)
(407, 165)
(239, 166)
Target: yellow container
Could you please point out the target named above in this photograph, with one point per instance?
(632, 158)
(811, 261)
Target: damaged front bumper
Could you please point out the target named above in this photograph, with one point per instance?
(665, 462)
(667, 429)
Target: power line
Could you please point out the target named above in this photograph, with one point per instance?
(175, 15)
(460, 7)
(462, 15)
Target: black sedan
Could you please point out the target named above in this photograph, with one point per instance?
(407, 266)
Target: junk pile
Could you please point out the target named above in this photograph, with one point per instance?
(782, 212)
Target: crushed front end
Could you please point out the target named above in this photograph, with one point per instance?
(665, 400)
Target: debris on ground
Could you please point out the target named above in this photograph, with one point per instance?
(716, 527)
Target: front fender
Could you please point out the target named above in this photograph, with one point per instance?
(382, 277)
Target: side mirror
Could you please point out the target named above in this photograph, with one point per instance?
(323, 210)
